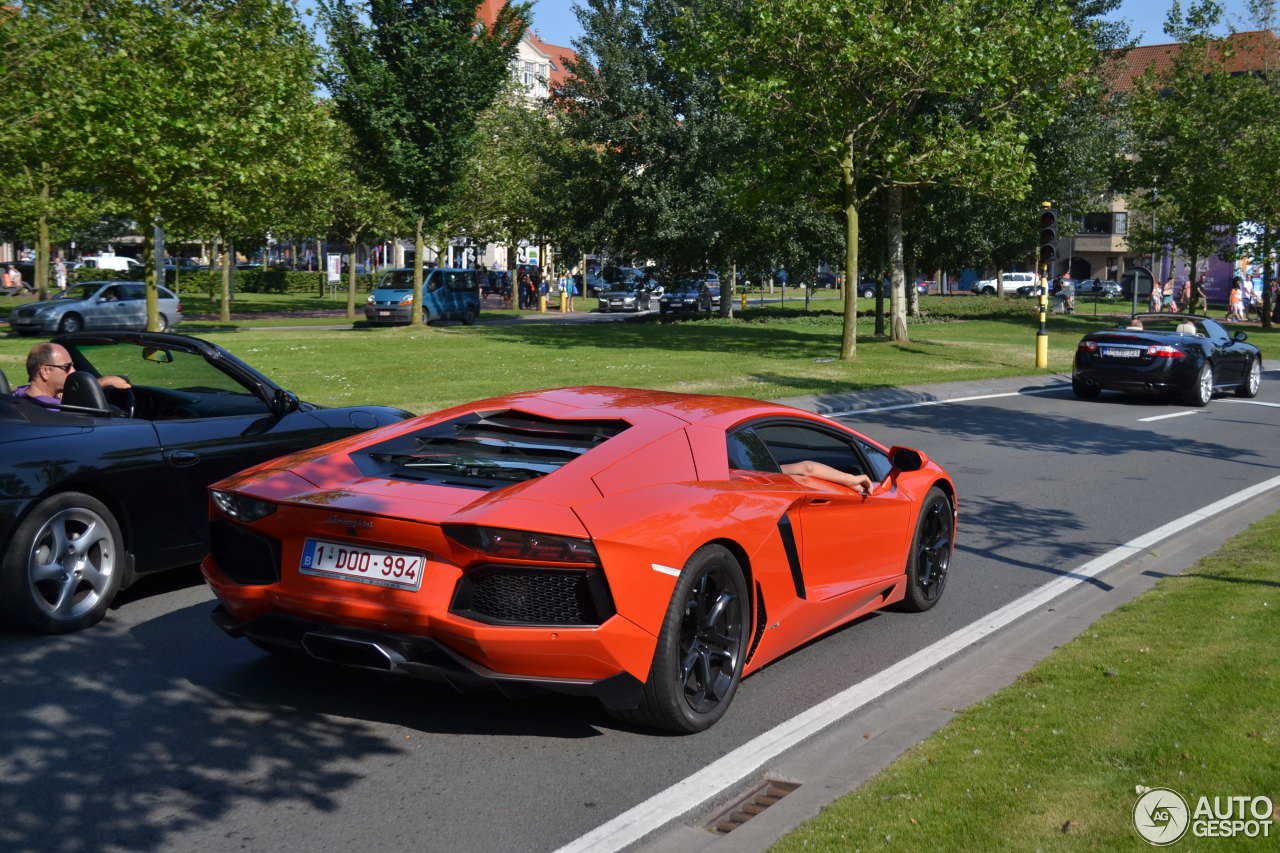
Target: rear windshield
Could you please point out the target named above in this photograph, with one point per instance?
(485, 450)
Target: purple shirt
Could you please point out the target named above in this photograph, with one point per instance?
(21, 393)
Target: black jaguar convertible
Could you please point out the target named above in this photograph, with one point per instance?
(1184, 355)
(111, 485)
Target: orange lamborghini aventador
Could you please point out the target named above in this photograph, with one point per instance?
(642, 547)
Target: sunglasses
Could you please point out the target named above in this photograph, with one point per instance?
(65, 368)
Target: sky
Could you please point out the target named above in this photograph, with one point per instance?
(556, 24)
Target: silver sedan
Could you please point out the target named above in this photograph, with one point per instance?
(95, 305)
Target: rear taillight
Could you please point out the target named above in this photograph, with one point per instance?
(1088, 346)
(1165, 351)
(505, 544)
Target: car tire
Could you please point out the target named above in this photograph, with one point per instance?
(930, 556)
(1252, 380)
(70, 323)
(1201, 391)
(701, 648)
(469, 316)
(1083, 390)
(63, 567)
(162, 323)
(867, 294)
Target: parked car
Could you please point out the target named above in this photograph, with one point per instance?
(631, 295)
(868, 287)
(626, 544)
(96, 305)
(1101, 288)
(824, 279)
(119, 263)
(1012, 281)
(447, 294)
(683, 296)
(112, 486)
(1185, 355)
(709, 296)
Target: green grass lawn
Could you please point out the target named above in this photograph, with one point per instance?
(1177, 689)
(768, 352)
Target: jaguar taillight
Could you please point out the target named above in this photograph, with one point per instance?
(1165, 351)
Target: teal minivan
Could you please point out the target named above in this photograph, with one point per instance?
(447, 294)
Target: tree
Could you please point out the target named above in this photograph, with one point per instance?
(877, 97)
(409, 77)
(1184, 187)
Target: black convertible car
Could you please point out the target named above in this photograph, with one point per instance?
(1181, 354)
(112, 486)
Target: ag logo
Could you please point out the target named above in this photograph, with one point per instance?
(1161, 816)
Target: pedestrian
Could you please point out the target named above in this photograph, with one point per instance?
(1250, 297)
(60, 274)
(1235, 301)
(1201, 296)
(524, 288)
(571, 288)
(1157, 297)
(1184, 295)
(1167, 297)
(13, 279)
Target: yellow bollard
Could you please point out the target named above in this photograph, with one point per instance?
(542, 303)
(564, 301)
(744, 302)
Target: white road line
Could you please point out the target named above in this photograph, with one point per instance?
(1166, 417)
(1254, 403)
(693, 791)
(919, 403)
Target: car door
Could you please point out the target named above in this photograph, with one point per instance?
(108, 308)
(1230, 357)
(845, 539)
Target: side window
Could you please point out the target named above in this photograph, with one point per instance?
(877, 461)
(747, 452)
(434, 281)
(134, 291)
(461, 281)
(797, 442)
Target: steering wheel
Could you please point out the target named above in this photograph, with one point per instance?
(124, 399)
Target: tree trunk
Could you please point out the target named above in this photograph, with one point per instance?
(352, 239)
(727, 290)
(419, 249)
(1267, 272)
(849, 334)
(148, 220)
(224, 307)
(42, 245)
(897, 276)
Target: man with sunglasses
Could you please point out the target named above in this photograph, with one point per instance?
(48, 366)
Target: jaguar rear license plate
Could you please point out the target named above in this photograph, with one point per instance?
(374, 566)
(1119, 352)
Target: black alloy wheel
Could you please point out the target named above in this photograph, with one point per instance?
(701, 649)
(930, 556)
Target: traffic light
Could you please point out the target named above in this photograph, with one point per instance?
(1048, 235)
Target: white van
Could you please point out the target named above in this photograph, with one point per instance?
(120, 263)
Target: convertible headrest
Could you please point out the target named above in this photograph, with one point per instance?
(82, 393)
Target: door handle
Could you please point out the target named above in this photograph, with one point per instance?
(819, 501)
(182, 458)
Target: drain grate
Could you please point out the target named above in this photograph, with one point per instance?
(751, 805)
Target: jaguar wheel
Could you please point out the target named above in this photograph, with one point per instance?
(1201, 391)
(930, 556)
(1252, 380)
(63, 567)
(701, 649)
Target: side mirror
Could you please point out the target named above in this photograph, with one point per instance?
(284, 402)
(1240, 336)
(906, 459)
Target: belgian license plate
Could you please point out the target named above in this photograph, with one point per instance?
(384, 313)
(374, 566)
(1120, 352)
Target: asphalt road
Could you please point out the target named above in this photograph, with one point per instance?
(155, 732)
